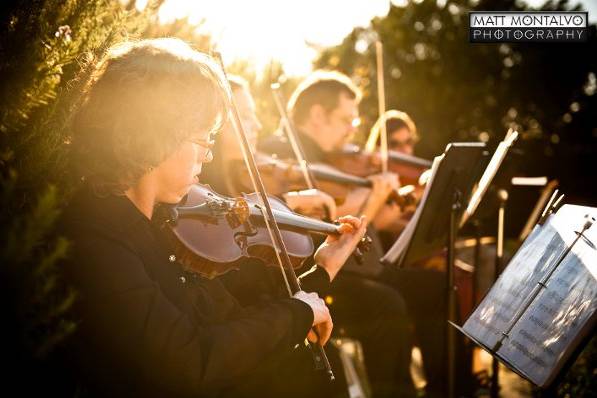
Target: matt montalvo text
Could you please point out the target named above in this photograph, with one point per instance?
(528, 26)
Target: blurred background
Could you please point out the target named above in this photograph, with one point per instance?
(454, 90)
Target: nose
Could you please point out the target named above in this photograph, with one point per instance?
(204, 156)
(209, 156)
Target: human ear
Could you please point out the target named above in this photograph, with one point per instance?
(317, 115)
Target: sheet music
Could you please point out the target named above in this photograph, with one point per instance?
(545, 336)
(494, 164)
(406, 235)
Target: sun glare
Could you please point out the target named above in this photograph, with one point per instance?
(284, 30)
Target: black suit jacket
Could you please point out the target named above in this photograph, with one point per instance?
(148, 327)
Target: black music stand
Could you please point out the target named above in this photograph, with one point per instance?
(542, 310)
(436, 221)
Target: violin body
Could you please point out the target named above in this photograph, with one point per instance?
(222, 232)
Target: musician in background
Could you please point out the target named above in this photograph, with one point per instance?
(401, 131)
(324, 108)
(402, 137)
(224, 174)
(373, 312)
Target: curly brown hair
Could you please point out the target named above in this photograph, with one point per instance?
(142, 101)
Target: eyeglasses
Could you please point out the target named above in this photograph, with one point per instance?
(205, 143)
(208, 144)
(401, 143)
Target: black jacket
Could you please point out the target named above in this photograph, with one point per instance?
(148, 327)
(278, 144)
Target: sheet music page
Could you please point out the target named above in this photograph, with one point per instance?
(544, 337)
(398, 249)
(488, 174)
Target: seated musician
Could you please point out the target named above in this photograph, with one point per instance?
(225, 175)
(383, 321)
(147, 326)
(324, 107)
(402, 137)
(401, 131)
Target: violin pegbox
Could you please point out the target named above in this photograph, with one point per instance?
(363, 246)
(237, 212)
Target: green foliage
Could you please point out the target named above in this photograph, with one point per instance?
(44, 45)
(182, 29)
(581, 380)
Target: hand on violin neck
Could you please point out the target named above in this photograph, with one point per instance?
(312, 203)
(383, 185)
(333, 253)
(322, 320)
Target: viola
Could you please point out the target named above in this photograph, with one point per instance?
(213, 234)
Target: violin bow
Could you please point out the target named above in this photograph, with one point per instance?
(381, 133)
(293, 139)
(292, 282)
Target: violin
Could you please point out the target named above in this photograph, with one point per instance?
(351, 159)
(364, 162)
(284, 176)
(315, 174)
(213, 234)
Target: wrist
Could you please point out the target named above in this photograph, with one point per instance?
(329, 270)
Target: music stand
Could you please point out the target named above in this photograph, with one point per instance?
(543, 306)
(436, 222)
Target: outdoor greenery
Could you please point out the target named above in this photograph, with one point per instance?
(46, 47)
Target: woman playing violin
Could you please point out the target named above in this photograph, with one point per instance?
(401, 131)
(149, 327)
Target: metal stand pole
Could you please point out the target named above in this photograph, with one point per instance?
(452, 298)
(476, 261)
(502, 195)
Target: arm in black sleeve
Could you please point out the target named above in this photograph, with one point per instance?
(276, 144)
(136, 327)
(316, 280)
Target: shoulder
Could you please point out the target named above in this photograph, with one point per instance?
(99, 263)
(275, 143)
(101, 257)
